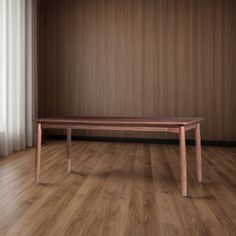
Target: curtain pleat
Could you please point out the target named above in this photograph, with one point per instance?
(16, 131)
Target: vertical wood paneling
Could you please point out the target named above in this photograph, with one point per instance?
(139, 58)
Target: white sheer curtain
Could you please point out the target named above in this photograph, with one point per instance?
(17, 74)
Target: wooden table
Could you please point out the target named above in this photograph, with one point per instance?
(174, 125)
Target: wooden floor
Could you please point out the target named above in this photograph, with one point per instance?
(117, 189)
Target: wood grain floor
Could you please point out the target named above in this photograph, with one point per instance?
(117, 189)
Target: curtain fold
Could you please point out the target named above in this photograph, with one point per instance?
(18, 73)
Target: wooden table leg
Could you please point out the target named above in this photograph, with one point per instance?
(69, 150)
(198, 153)
(183, 161)
(38, 152)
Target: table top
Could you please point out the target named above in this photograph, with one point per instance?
(152, 121)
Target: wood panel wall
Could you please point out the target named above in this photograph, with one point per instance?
(139, 58)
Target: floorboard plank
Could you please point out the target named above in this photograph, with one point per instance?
(123, 189)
